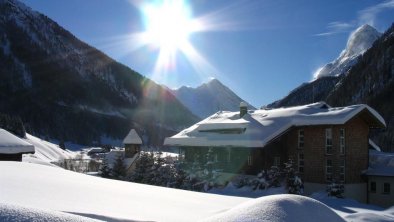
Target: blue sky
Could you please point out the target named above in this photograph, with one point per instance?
(260, 49)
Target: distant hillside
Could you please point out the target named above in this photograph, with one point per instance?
(208, 98)
(306, 93)
(64, 89)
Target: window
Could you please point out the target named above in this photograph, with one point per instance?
(329, 170)
(342, 141)
(373, 187)
(301, 162)
(277, 161)
(300, 139)
(386, 188)
(229, 156)
(250, 160)
(329, 141)
(342, 171)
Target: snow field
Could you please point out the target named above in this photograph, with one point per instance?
(55, 189)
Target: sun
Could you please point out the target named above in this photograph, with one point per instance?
(168, 24)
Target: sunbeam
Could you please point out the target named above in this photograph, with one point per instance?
(167, 29)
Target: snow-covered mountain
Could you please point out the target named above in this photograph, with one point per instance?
(329, 75)
(208, 98)
(65, 90)
(359, 42)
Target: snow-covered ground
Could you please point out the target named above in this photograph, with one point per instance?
(10, 212)
(50, 192)
(42, 187)
(352, 210)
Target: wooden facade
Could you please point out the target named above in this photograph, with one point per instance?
(11, 157)
(342, 159)
(131, 150)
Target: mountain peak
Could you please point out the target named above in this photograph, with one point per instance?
(209, 98)
(359, 41)
(214, 81)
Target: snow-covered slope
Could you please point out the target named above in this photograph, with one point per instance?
(55, 189)
(359, 42)
(208, 98)
(45, 152)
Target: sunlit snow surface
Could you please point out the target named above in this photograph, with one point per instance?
(47, 192)
(50, 188)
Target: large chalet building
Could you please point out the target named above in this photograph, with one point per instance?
(325, 143)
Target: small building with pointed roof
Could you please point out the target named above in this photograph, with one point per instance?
(132, 143)
(12, 147)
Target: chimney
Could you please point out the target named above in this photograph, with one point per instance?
(243, 109)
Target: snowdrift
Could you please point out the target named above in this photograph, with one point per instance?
(10, 212)
(279, 208)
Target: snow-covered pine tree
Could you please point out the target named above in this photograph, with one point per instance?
(273, 177)
(191, 180)
(209, 175)
(159, 160)
(104, 170)
(294, 183)
(335, 189)
(119, 169)
(260, 182)
(141, 173)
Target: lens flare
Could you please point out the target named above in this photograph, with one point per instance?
(165, 39)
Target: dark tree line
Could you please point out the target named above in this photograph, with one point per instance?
(12, 124)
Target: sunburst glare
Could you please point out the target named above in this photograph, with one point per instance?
(168, 26)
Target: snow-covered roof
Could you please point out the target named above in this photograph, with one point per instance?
(132, 138)
(11, 144)
(259, 127)
(380, 164)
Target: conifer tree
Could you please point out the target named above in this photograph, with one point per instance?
(62, 145)
(294, 183)
(119, 169)
(141, 173)
(105, 171)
